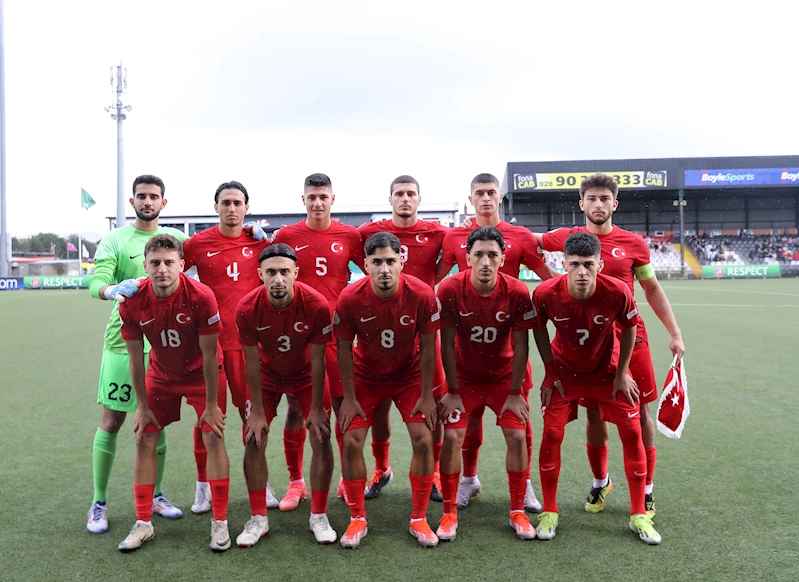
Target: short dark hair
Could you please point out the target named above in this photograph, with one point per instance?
(318, 181)
(232, 185)
(277, 250)
(485, 179)
(382, 240)
(163, 241)
(485, 233)
(404, 179)
(582, 244)
(599, 180)
(149, 179)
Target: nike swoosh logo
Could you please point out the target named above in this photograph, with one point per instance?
(462, 314)
(210, 254)
(560, 318)
(463, 246)
(143, 323)
(648, 393)
(637, 474)
(263, 328)
(368, 319)
(302, 247)
(134, 256)
(633, 415)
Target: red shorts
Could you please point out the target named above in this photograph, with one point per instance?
(371, 396)
(165, 399)
(303, 394)
(527, 384)
(599, 389)
(236, 372)
(331, 367)
(476, 397)
(439, 377)
(642, 371)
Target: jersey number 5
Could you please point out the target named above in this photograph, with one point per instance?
(321, 266)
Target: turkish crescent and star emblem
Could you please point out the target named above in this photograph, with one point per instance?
(300, 326)
(246, 251)
(618, 253)
(406, 320)
(502, 316)
(420, 238)
(336, 247)
(183, 315)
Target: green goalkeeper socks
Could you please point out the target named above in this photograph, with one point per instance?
(103, 452)
(160, 450)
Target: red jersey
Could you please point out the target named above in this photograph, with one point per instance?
(323, 256)
(521, 247)
(387, 351)
(584, 340)
(229, 266)
(484, 326)
(173, 327)
(284, 336)
(421, 246)
(625, 253)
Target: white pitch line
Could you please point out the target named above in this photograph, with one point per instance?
(732, 305)
(717, 290)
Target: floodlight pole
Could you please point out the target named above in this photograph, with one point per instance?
(119, 85)
(681, 201)
(5, 239)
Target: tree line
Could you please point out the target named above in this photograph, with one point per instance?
(45, 242)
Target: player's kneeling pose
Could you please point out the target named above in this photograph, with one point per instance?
(180, 319)
(395, 319)
(485, 318)
(584, 361)
(284, 327)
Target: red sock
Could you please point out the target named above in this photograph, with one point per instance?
(319, 500)
(220, 489)
(257, 501)
(529, 435)
(634, 465)
(517, 484)
(437, 456)
(549, 465)
(340, 443)
(651, 461)
(598, 460)
(294, 447)
(471, 450)
(449, 491)
(200, 455)
(381, 452)
(421, 485)
(143, 494)
(355, 498)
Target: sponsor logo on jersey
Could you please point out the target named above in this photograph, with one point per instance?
(257, 328)
(299, 248)
(143, 323)
(560, 318)
(462, 314)
(210, 253)
(131, 257)
(463, 245)
(365, 319)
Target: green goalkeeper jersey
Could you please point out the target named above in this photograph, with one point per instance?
(120, 256)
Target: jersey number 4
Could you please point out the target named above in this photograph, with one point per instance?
(233, 271)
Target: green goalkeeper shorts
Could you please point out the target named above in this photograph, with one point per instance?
(116, 389)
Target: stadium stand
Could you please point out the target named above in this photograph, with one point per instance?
(745, 249)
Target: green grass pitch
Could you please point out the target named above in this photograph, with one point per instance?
(724, 492)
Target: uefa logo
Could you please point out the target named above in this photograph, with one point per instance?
(36, 283)
(719, 271)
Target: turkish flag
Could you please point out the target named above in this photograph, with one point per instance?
(673, 408)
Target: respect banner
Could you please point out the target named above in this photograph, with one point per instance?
(740, 272)
(81, 282)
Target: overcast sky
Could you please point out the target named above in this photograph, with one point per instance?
(269, 92)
